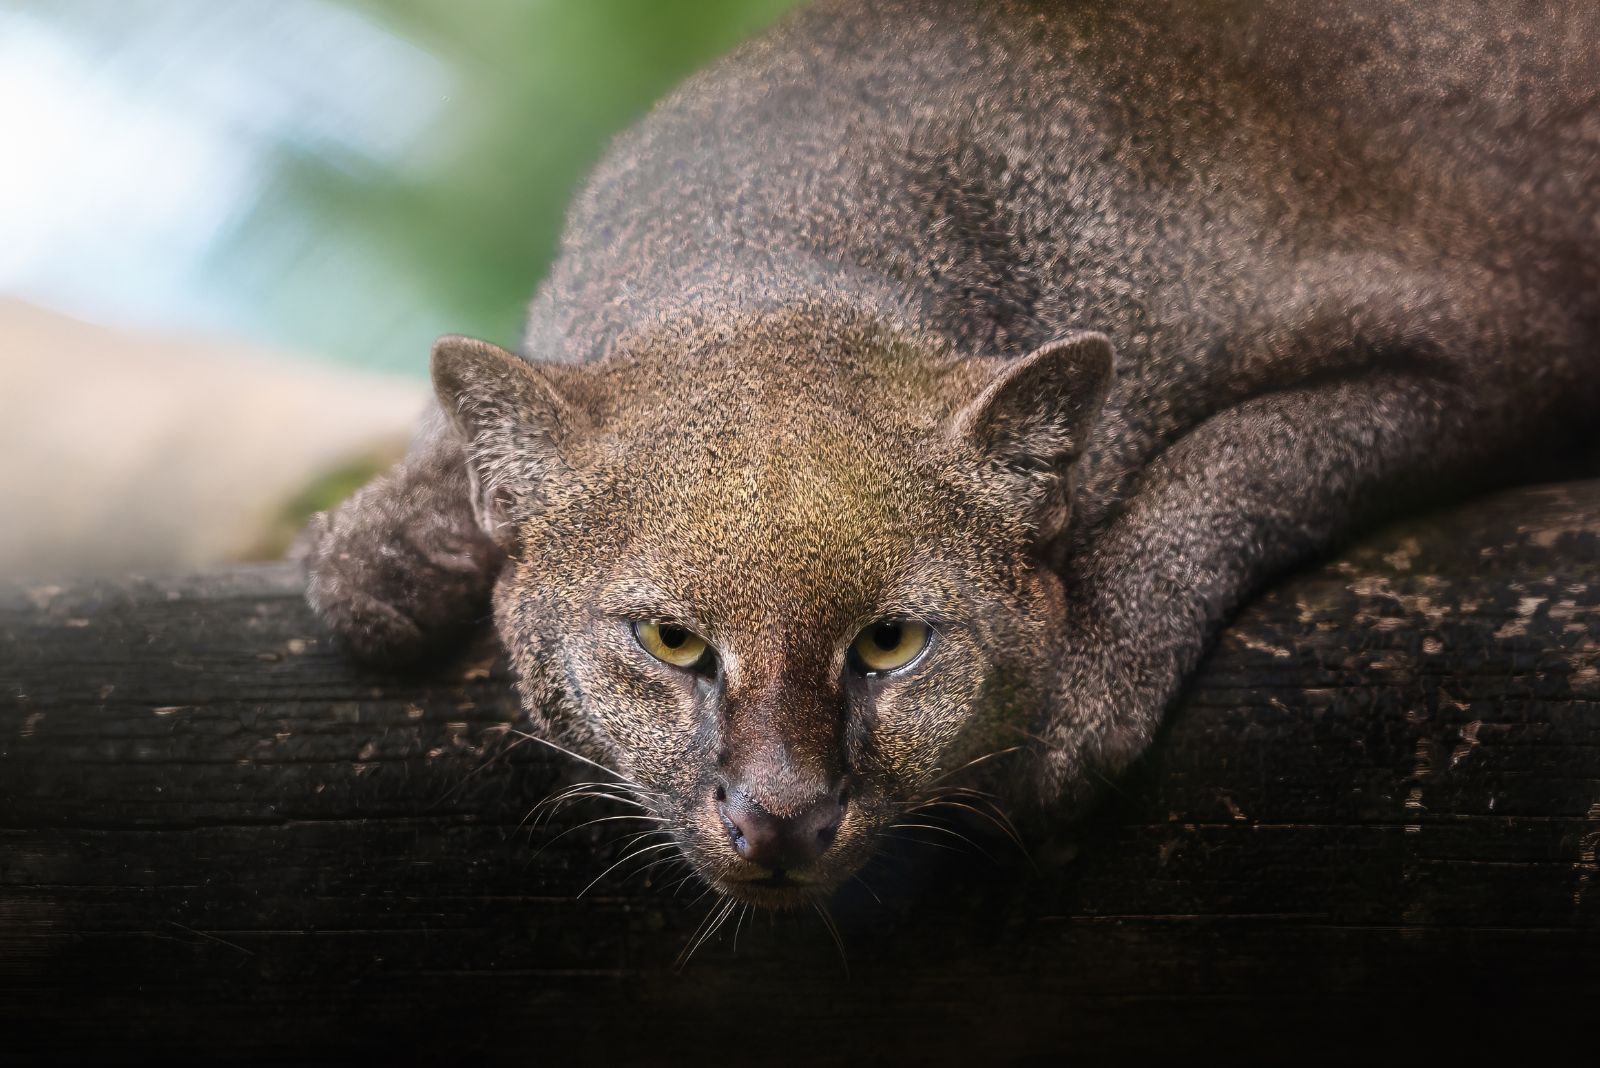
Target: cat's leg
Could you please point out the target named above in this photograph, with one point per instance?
(1255, 488)
(403, 567)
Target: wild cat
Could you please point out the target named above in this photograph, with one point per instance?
(928, 380)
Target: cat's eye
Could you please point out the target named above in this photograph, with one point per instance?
(671, 643)
(889, 645)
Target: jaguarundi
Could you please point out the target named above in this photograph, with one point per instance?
(919, 388)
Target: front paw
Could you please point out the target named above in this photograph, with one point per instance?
(345, 588)
(1100, 722)
(392, 591)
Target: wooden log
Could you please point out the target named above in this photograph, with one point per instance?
(1371, 827)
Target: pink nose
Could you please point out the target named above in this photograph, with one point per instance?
(781, 843)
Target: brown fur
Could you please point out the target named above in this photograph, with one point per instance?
(815, 354)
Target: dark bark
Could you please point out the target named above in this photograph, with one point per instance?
(1371, 826)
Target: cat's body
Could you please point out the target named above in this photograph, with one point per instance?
(1041, 173)
(1342, 250)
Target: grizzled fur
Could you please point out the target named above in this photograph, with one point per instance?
(830, 340)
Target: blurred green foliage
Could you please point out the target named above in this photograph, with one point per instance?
(539, 88)
(324, 491)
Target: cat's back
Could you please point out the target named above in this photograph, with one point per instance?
(1021, 168)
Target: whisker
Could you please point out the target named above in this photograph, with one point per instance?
(833, 930)
(631, 856)
(708, 929)
(575, 756)
(677, 887)
(1002, 823)
(555, 804)
(974, 763)
(1000, 815)
(1115, 787)
(654, 864)
(966, 791)
(594, 822)
(650, 866)
(533, 815)
(569, 789)
(722, 920)
(922, 842)
(468, 777)
(588, 789)
(868, 887)
(714, 918)
(683, 955)
(952, 834)
(642, 835)
(610, 819)
(708, 888)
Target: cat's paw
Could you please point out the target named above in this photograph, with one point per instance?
(345, 588)
(1101, 721)
(392, 592)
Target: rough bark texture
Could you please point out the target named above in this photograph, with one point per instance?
(1372, 826)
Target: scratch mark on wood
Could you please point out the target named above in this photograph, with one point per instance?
(1469, 742)
(1586, 864)
(1516, 628)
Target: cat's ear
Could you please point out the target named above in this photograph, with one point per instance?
(511, 420)
(1033, 419)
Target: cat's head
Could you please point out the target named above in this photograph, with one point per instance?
(780, 573)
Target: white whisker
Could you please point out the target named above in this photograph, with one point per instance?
(591, 823)
(922, 842)
(953, 834)
(999, 819)
(974, 763)
(868, 886)
(575, 756)
(833, 930)
(468, 777)
(706, 930)
(631, 856)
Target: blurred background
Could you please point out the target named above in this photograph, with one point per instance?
(230, 230)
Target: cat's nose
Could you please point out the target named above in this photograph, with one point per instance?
(781, 843)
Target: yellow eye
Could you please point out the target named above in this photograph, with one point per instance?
(889, 644)
(670, 643)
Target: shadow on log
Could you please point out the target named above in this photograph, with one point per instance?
(1371, 827)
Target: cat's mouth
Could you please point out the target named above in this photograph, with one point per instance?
(778, 880)
(778, 889)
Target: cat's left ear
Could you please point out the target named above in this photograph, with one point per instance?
(1033, 419)
(513, 421)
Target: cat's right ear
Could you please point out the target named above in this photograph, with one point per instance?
(511, 420)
